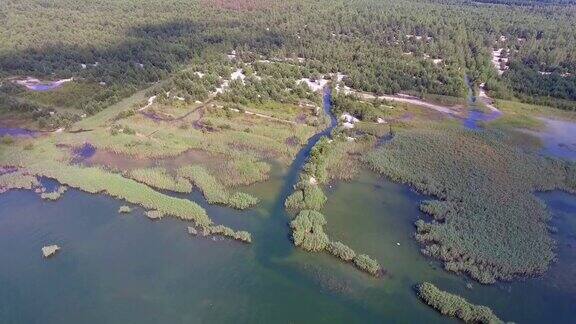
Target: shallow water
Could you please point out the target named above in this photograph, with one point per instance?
(125, 268)
(559, 138)
(476, 116)
(116, 268)
(17, 132)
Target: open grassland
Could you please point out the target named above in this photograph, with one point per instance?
(523, 115)
(487, 221)
(452, 305)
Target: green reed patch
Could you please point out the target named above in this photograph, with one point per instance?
(214, 191)
(124, 209)
(341, 250)
(308, 231)
(455, 306)
(160, 178)
(225, 231)
(367, 264)
(18, 180)
(487, 221)
(306, 195)
(308, 199)
(243, 171)
(96, 180)
(54, 195)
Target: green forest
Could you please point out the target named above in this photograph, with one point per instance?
(425, 47)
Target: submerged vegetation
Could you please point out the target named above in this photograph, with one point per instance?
(455, 306)
(483, 185)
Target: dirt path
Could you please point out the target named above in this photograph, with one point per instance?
(410, 100)
(487, 101)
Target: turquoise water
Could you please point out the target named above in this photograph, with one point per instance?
(125, 268)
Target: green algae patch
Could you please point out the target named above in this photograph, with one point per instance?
(487, 221)
(452, 305)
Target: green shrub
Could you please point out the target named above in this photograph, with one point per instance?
(455, 306)
(308, 232)
(367, 264)
(341, 250)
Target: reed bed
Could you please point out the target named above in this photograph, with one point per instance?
(487, 221)
(54, 195)
(159, 178)
(213, 191)
(18, 180)
(455, 306)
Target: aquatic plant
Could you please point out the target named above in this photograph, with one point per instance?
(160, 178)
(308, 232)
(213, 191)
(242, 200)
(243, 171)
(488, 223)
(306, 196)
(455, 306)
(17, 180)
(341, 250)
(54, 195)
(226, 231)
(96, 180)
(366, 263)
(154, 214)
(124, 209)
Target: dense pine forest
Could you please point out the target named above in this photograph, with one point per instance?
(385, 47)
